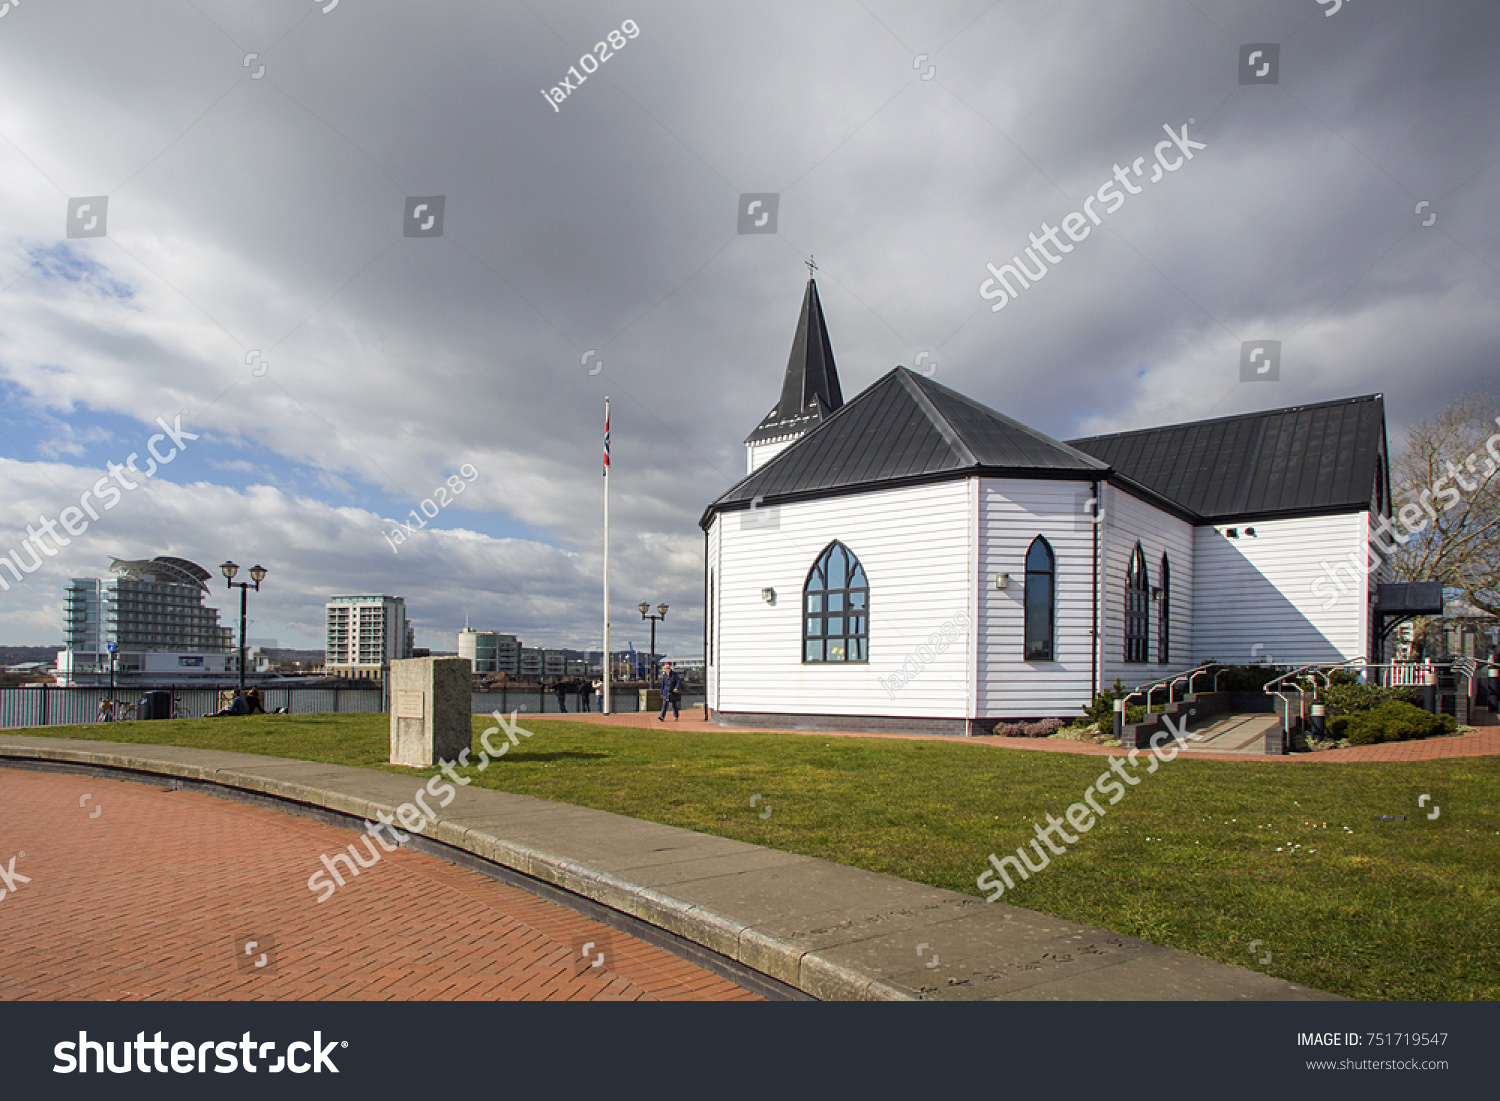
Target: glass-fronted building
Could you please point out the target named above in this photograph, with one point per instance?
(151, 606)
(490, 652)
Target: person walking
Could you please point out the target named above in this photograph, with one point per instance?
(671, 694)
(585, 690)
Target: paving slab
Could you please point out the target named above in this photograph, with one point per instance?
(831, 931)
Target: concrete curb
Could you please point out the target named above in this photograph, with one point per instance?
(829, 931)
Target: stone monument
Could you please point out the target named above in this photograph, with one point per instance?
(431, 710)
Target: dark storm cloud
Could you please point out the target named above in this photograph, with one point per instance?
(909, 146)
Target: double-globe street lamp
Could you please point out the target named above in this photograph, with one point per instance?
(257, 574)
(645, 609)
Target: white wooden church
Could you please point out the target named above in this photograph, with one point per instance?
(910, 559)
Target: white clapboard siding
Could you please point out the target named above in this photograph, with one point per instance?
(711, 614)
(914, 545)
(1128, 520)
(1269, 596)
(1012, 513)
(758, 455)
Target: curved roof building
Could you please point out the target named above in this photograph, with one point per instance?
(163, 568)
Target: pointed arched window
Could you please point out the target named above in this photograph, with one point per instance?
(1040, 599)
(1137, 607)
(836, 608)
(1164, 614)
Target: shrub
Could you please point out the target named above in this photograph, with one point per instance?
(1040, 728)
(1043, 728)
(1102, 709)
(1352, 699)
(1338, 727)
(1393, 721)
(1247, 678)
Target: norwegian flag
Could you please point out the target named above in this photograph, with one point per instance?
(605, 471)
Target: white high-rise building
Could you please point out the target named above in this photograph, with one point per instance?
(365, 633)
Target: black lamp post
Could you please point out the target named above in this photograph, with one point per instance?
(257, 575)
(645, 609)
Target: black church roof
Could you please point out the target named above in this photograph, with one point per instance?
(1303, 460)
(904, 428)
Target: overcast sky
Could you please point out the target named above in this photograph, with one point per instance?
(255, 276)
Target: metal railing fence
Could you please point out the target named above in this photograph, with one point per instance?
(54, 705)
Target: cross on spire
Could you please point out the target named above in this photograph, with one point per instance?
(811, 267)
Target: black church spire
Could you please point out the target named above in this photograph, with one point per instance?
(810, 389)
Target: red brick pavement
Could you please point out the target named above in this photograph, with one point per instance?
(1483, 743)
(155, 896)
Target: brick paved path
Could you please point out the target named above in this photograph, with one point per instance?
(146, 893)
(1484, 743)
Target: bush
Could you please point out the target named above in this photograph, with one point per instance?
(1102, 710)
(1338, 727)
(1392, 721)
(1041, 728)
(1247, 678)
(1352, 699)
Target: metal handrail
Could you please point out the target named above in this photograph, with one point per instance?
(1317, 668)
(1168, 682)
(1222, 667)
(1470, 666)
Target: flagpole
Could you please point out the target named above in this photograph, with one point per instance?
(605, 656)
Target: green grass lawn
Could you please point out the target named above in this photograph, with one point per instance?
(1205, 856)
